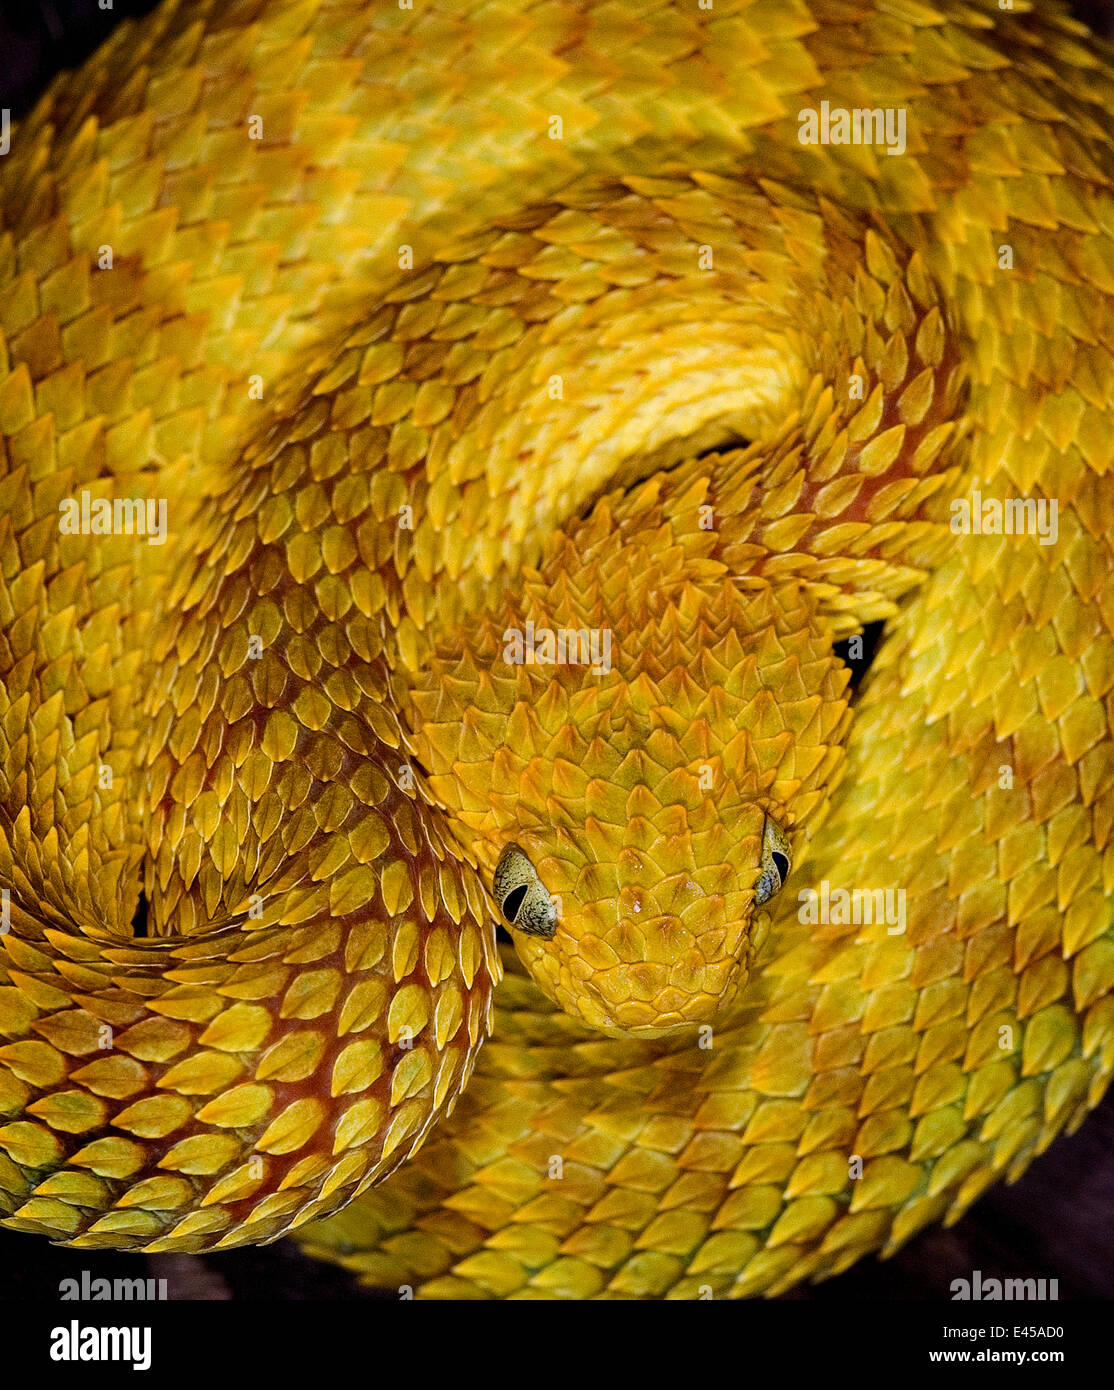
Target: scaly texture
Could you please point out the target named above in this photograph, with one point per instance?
(429, 324)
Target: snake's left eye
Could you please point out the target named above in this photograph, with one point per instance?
(522, 899)
(776, 863)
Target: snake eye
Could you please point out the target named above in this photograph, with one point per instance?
(522, 900)
(776, 863)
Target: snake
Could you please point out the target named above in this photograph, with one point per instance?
(453, 454)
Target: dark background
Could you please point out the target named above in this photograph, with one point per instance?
(1056, 1222)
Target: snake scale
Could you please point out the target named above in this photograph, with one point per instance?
(443, 326)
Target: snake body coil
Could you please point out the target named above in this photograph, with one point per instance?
(534, 396)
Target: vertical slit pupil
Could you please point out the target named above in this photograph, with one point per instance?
(781, 864)
(513, 901)
(139, 921)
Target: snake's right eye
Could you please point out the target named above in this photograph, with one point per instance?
(522, 898)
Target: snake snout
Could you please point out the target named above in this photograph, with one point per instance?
(628, 964)
(648, 978)
(645, 943)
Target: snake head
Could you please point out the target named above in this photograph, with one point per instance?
(633, 815)
(634, 943)
(652, 953)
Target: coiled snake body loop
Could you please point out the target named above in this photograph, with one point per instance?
(533, 411)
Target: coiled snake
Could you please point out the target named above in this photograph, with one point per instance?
(536, 395)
